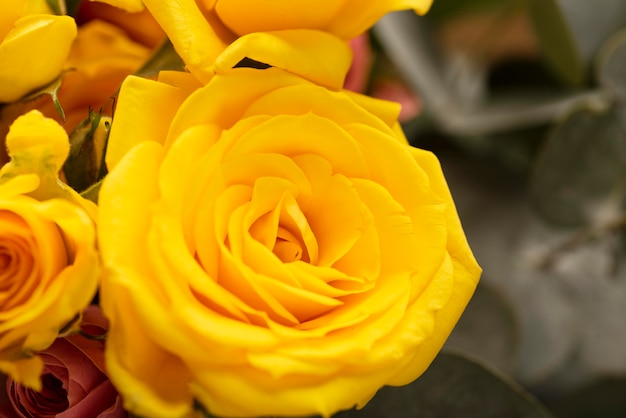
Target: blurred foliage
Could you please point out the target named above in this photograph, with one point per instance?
(525, 104)
(453, 386)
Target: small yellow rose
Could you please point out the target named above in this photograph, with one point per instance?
(272, 248)
(33, 47)
(202, 29)
(101, 57)
(48, 260)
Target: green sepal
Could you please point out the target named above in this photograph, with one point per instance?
(84, 166)
(164, 57)
(92, 192)
(52, 90)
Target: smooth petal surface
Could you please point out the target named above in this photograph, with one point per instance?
(138, 101)
(283, 251)
(198, 38)
(26, 58)
(344, 18)
(326, 61)
(135, 372)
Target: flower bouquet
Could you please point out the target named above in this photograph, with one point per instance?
(198, 219)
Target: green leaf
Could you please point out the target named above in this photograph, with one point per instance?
(610, 65)
(164, 58)
(488, 329)
(604, 398)
(453, 386)
(557, 41)
(580, 175)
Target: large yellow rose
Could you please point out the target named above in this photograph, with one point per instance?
(48, 259)
(201, 29)
(33, 46)
(272, 248)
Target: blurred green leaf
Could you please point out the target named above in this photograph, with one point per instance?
(580, 175)
(454, 386)
(164, 58)
(556, 40)
(488, 329)
(592, 23)
(603, 399)
(611, 65)
(57, 6)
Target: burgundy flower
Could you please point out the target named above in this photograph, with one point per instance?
(358, 77)
(74, 384)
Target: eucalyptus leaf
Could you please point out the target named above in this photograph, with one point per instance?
(592, 22)
(507, 239)
(453, 386)
(603, 398)
(580, 176)
(557, 41)
(408, 42)
(611, 65)
(488, 329)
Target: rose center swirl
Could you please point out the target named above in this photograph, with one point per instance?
(284, 241)
(287, 246)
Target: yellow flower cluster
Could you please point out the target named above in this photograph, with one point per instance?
(265, 243)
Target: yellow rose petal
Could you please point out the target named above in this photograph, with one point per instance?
(326, 61)
(11, 11)
(198, 38)
(138, 101)
(356, 17)
(242, 16)
(27, 61)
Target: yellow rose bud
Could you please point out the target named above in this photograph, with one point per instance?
(201, 30)
(272, 248)
(33, 48)
(48, 259)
